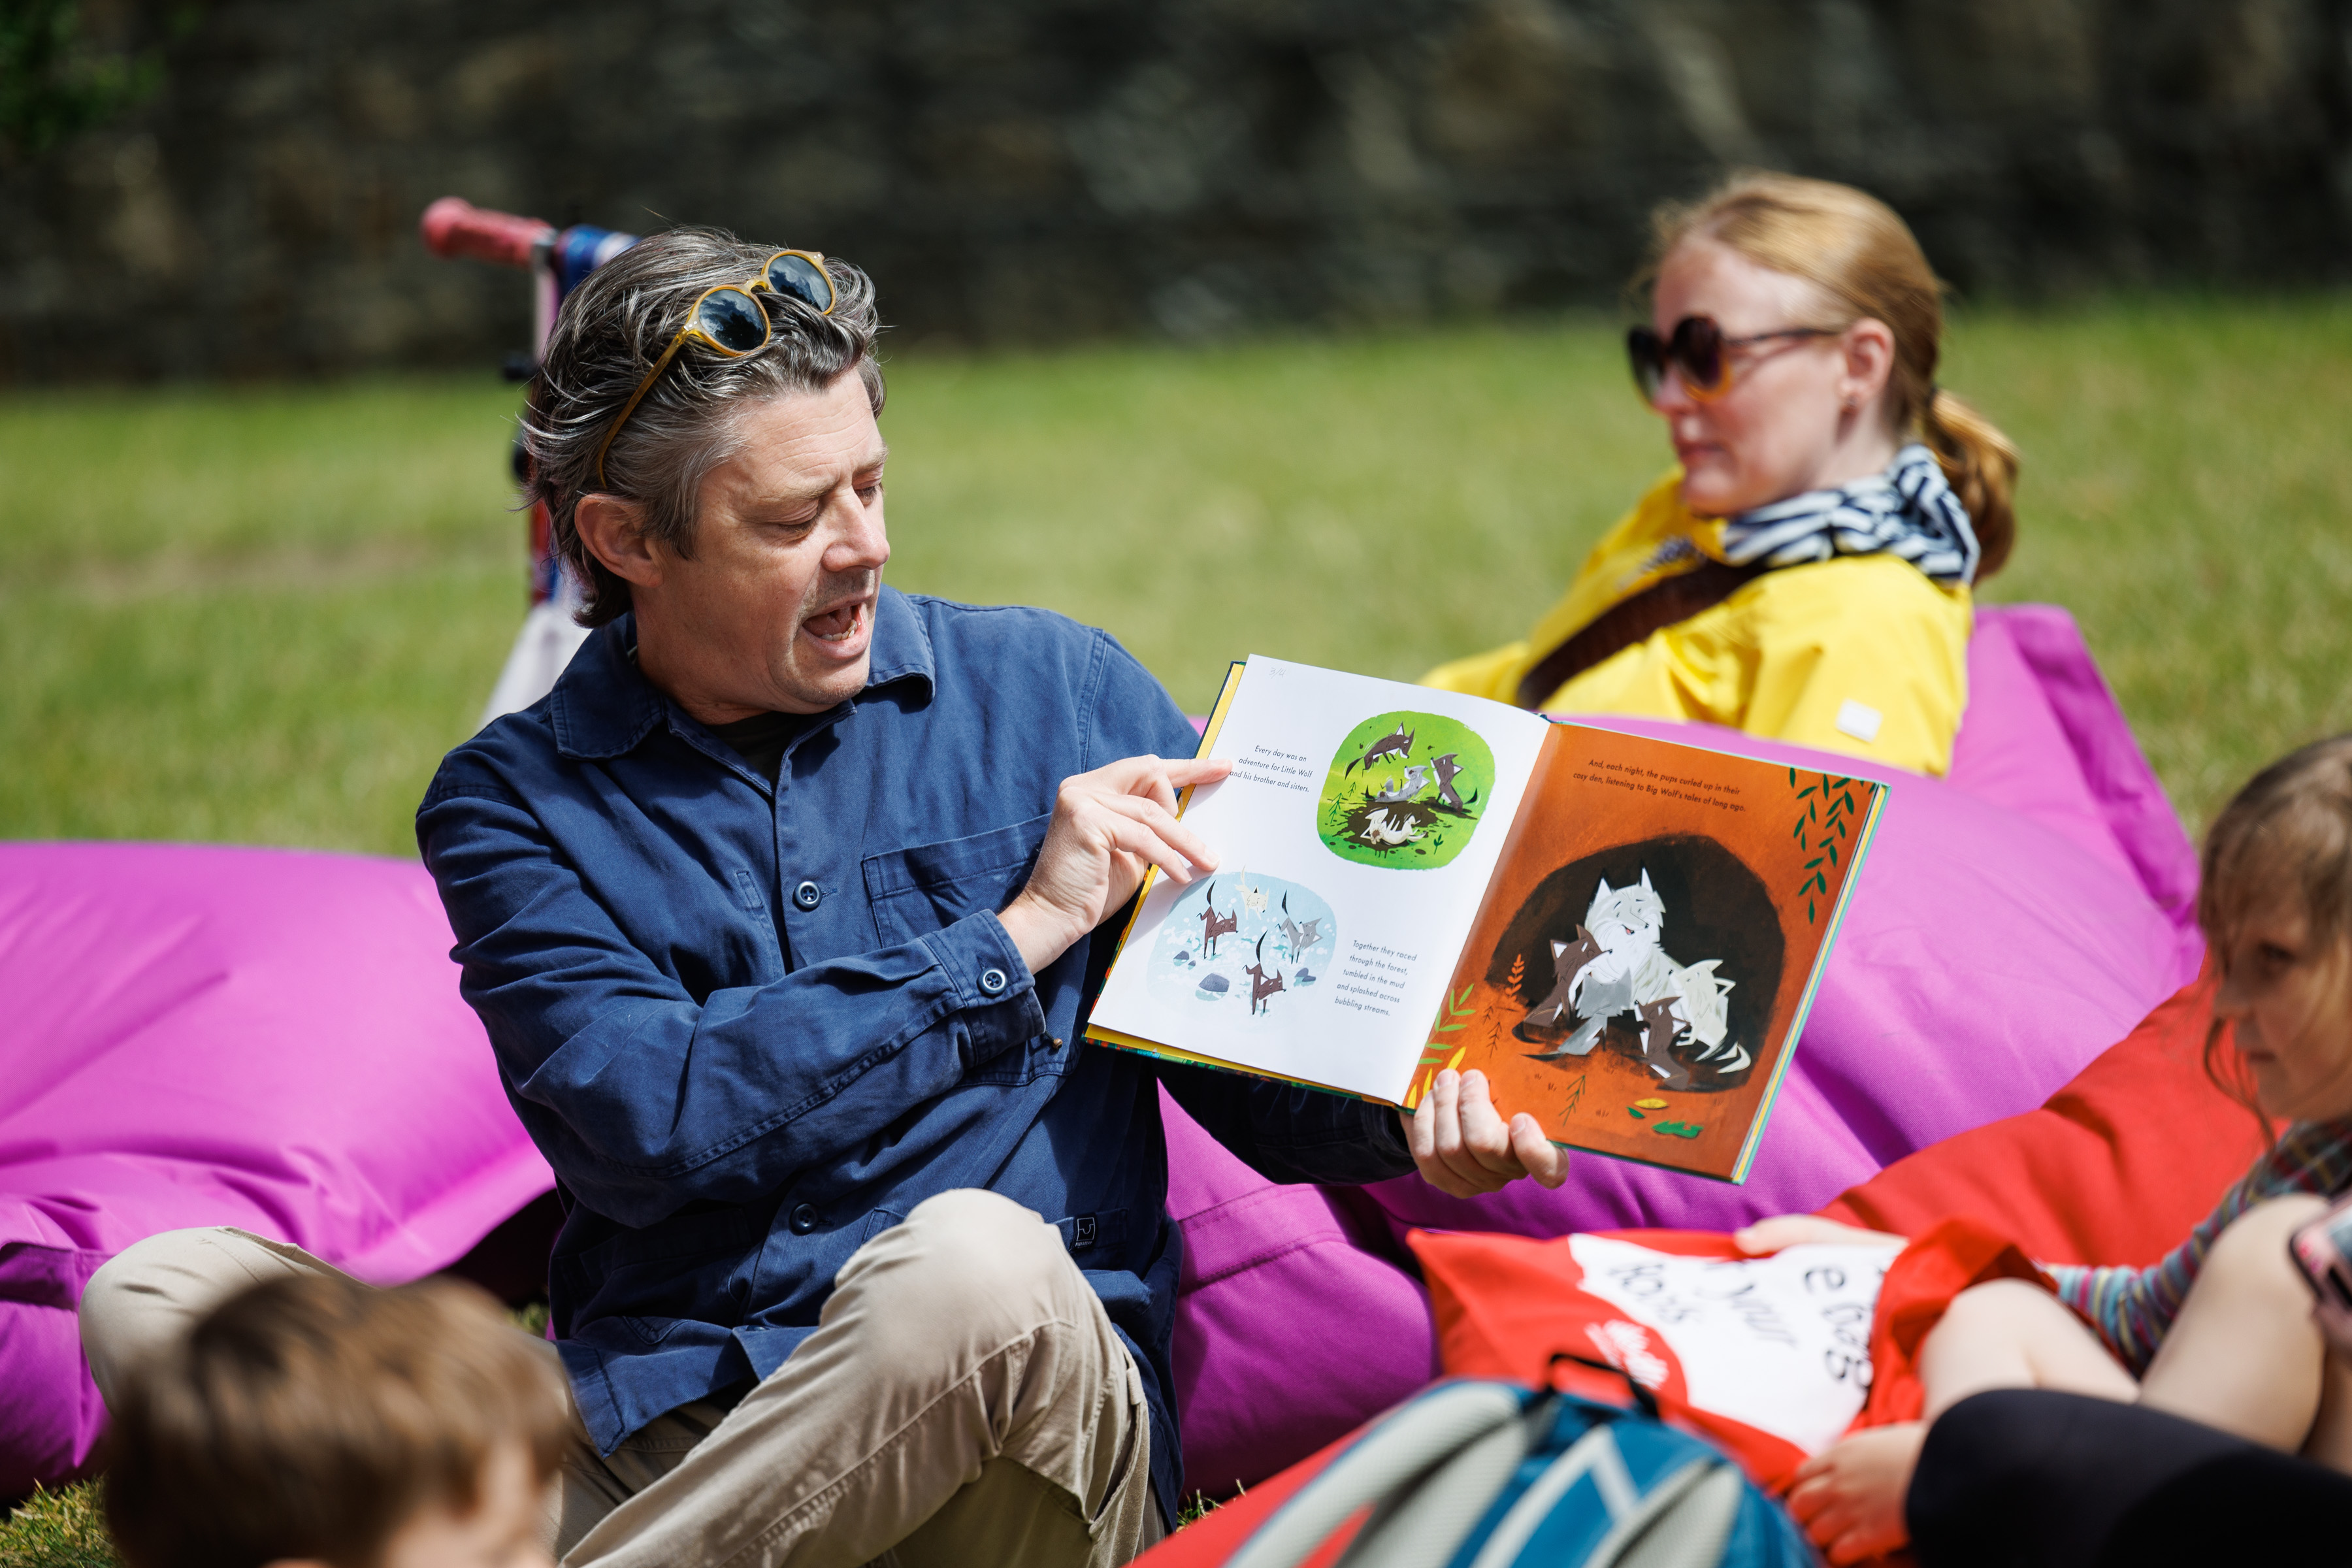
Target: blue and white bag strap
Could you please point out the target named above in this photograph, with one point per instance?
(1464, 1438)
(1706, 1494)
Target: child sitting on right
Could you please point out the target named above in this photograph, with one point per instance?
(2220, 1330)
(315, 1422)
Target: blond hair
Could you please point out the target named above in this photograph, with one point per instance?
(1852, 246)
(314, 1416)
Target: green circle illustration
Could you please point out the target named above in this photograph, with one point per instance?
(1406, 790)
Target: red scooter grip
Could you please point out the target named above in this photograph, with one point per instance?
(454, 226)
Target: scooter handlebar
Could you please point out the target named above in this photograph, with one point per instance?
(454, 226)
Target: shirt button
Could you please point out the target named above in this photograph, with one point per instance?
(804, 1219)
(808, 895)
(992, 982)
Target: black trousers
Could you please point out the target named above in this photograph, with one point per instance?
(2027, 1476)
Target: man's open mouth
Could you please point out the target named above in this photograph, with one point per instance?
(838, 625)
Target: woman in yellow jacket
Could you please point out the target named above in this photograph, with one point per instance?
(1804, 570)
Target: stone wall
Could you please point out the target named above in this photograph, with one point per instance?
(1039, 170)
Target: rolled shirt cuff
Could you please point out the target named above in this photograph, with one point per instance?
(990, 981)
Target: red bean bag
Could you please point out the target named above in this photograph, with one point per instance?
(2117, 1167)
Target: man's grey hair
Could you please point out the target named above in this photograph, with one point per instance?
(609, 333)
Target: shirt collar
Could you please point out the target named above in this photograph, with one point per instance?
(602, 706)
(902, 649)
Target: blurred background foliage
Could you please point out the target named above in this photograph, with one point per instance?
(1028, 171)
(261, 615)
(54, 84)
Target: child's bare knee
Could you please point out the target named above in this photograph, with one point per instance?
(1990, 1331)
(1997, 1303)
(2250, 1252)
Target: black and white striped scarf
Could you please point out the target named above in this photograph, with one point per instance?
(1908, 512)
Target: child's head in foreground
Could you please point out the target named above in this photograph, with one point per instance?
(2275, 903)
(316, 1420)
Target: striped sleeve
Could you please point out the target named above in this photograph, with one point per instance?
(2132, 1309)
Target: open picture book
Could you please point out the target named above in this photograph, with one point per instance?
(1623, 934)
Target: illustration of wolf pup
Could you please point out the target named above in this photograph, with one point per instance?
(1448, 768)
(1261, 987)
(1553, 1020)
(1656, 1023)
(1700, 1011)
(1416, 779)
(1398, 743)
(1215, 925)
(1381, 833)
(1298, 936)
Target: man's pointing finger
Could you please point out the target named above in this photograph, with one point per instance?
(1185, 772)
(1161, 821)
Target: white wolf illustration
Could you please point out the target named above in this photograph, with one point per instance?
(1416, 779)
(1379, 829)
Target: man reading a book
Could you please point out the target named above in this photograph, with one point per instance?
(782, 912)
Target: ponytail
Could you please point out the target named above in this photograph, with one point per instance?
(1980, 464)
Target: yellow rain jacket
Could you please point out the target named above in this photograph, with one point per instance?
(1862, 654)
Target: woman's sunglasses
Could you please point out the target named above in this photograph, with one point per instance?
(727, 321)
(1700, 351)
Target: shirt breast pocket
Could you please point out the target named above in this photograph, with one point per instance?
(916, 892)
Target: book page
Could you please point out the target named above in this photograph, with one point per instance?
(1641, 969)
(1355, 838)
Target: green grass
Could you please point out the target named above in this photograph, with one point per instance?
(256, 616)
(64, 1530)
(261, 616)
(2187, 496)
(58, 1529)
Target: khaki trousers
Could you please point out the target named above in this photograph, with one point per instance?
(962, 1400)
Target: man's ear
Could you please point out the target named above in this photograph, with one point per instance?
(613, 532)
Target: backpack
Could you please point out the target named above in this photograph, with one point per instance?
(1474, 1474)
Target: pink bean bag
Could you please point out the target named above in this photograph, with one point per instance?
(253, 1038)
(1252, 1250)
(2014, 920)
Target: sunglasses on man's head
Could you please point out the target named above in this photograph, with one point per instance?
(729, 321)
(1699, 352)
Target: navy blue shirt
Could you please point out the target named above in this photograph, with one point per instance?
(751, 1024)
